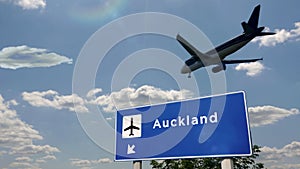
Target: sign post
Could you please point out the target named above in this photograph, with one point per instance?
(227, 163)
(214, 126)
(137, 164)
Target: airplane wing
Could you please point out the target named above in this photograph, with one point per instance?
(240, 61)
(131, 127)
(191, 49)
(127, 128)
(134, 127)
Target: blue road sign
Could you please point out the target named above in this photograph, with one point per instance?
(214, 126)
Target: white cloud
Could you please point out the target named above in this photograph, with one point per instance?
(28, 4)
(281, 36)
(24, 159)
(253, 68)
(84, 164)
(20, 165)
(127, 97)
(102, 160)
(40, 161)
(286, 157)
(17, 138)
(13, 131)
(34, 149)
(49, 157)
(144, 95)
(80, 163)
(265, 115)
(26, 57)
(109, 118)
(93, 92)
(52, 99)
(45, 159)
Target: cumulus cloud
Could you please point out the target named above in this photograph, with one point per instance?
(92, 93)
(27, 57)
(28, 4)
(281, 36)
(252, 69)
(45, 159)
(265, 115)
(84, 164)
(34, 149)
(23, 165)
(80, 163)
(52, 99)
(26, 159)
(13, 131)
(102, 160)
(127, 97)
(17, 139)
(144, 95)
(281, 158)
(49, 157)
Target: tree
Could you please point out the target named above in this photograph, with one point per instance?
(210, 163)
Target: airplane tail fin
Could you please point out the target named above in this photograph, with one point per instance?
(253, 20)
(252, 25)
(247, 28)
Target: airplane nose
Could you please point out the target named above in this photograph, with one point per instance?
(185, 69)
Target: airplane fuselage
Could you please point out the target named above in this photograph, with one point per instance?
(218, 54)
(231, 46)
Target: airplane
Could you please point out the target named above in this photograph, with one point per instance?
(217, 55)
(131, 127)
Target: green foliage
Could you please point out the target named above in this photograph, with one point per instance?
(248, 162)
(210, 163)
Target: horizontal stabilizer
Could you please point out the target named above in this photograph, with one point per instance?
(266, 33)
(247, 29)
(240, 61)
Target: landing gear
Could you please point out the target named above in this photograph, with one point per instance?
(189, 76)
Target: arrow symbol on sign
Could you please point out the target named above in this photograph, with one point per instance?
(130, 149)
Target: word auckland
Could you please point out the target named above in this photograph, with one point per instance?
(185, 121)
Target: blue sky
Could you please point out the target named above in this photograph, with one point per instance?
(45, 122)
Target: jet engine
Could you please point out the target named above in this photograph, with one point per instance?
(219, 68)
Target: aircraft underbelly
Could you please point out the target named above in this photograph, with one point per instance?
(195, 66)
(231, 49)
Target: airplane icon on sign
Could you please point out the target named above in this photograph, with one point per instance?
(131, 128)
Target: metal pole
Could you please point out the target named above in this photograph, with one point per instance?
(137, 164)
(227, 163)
